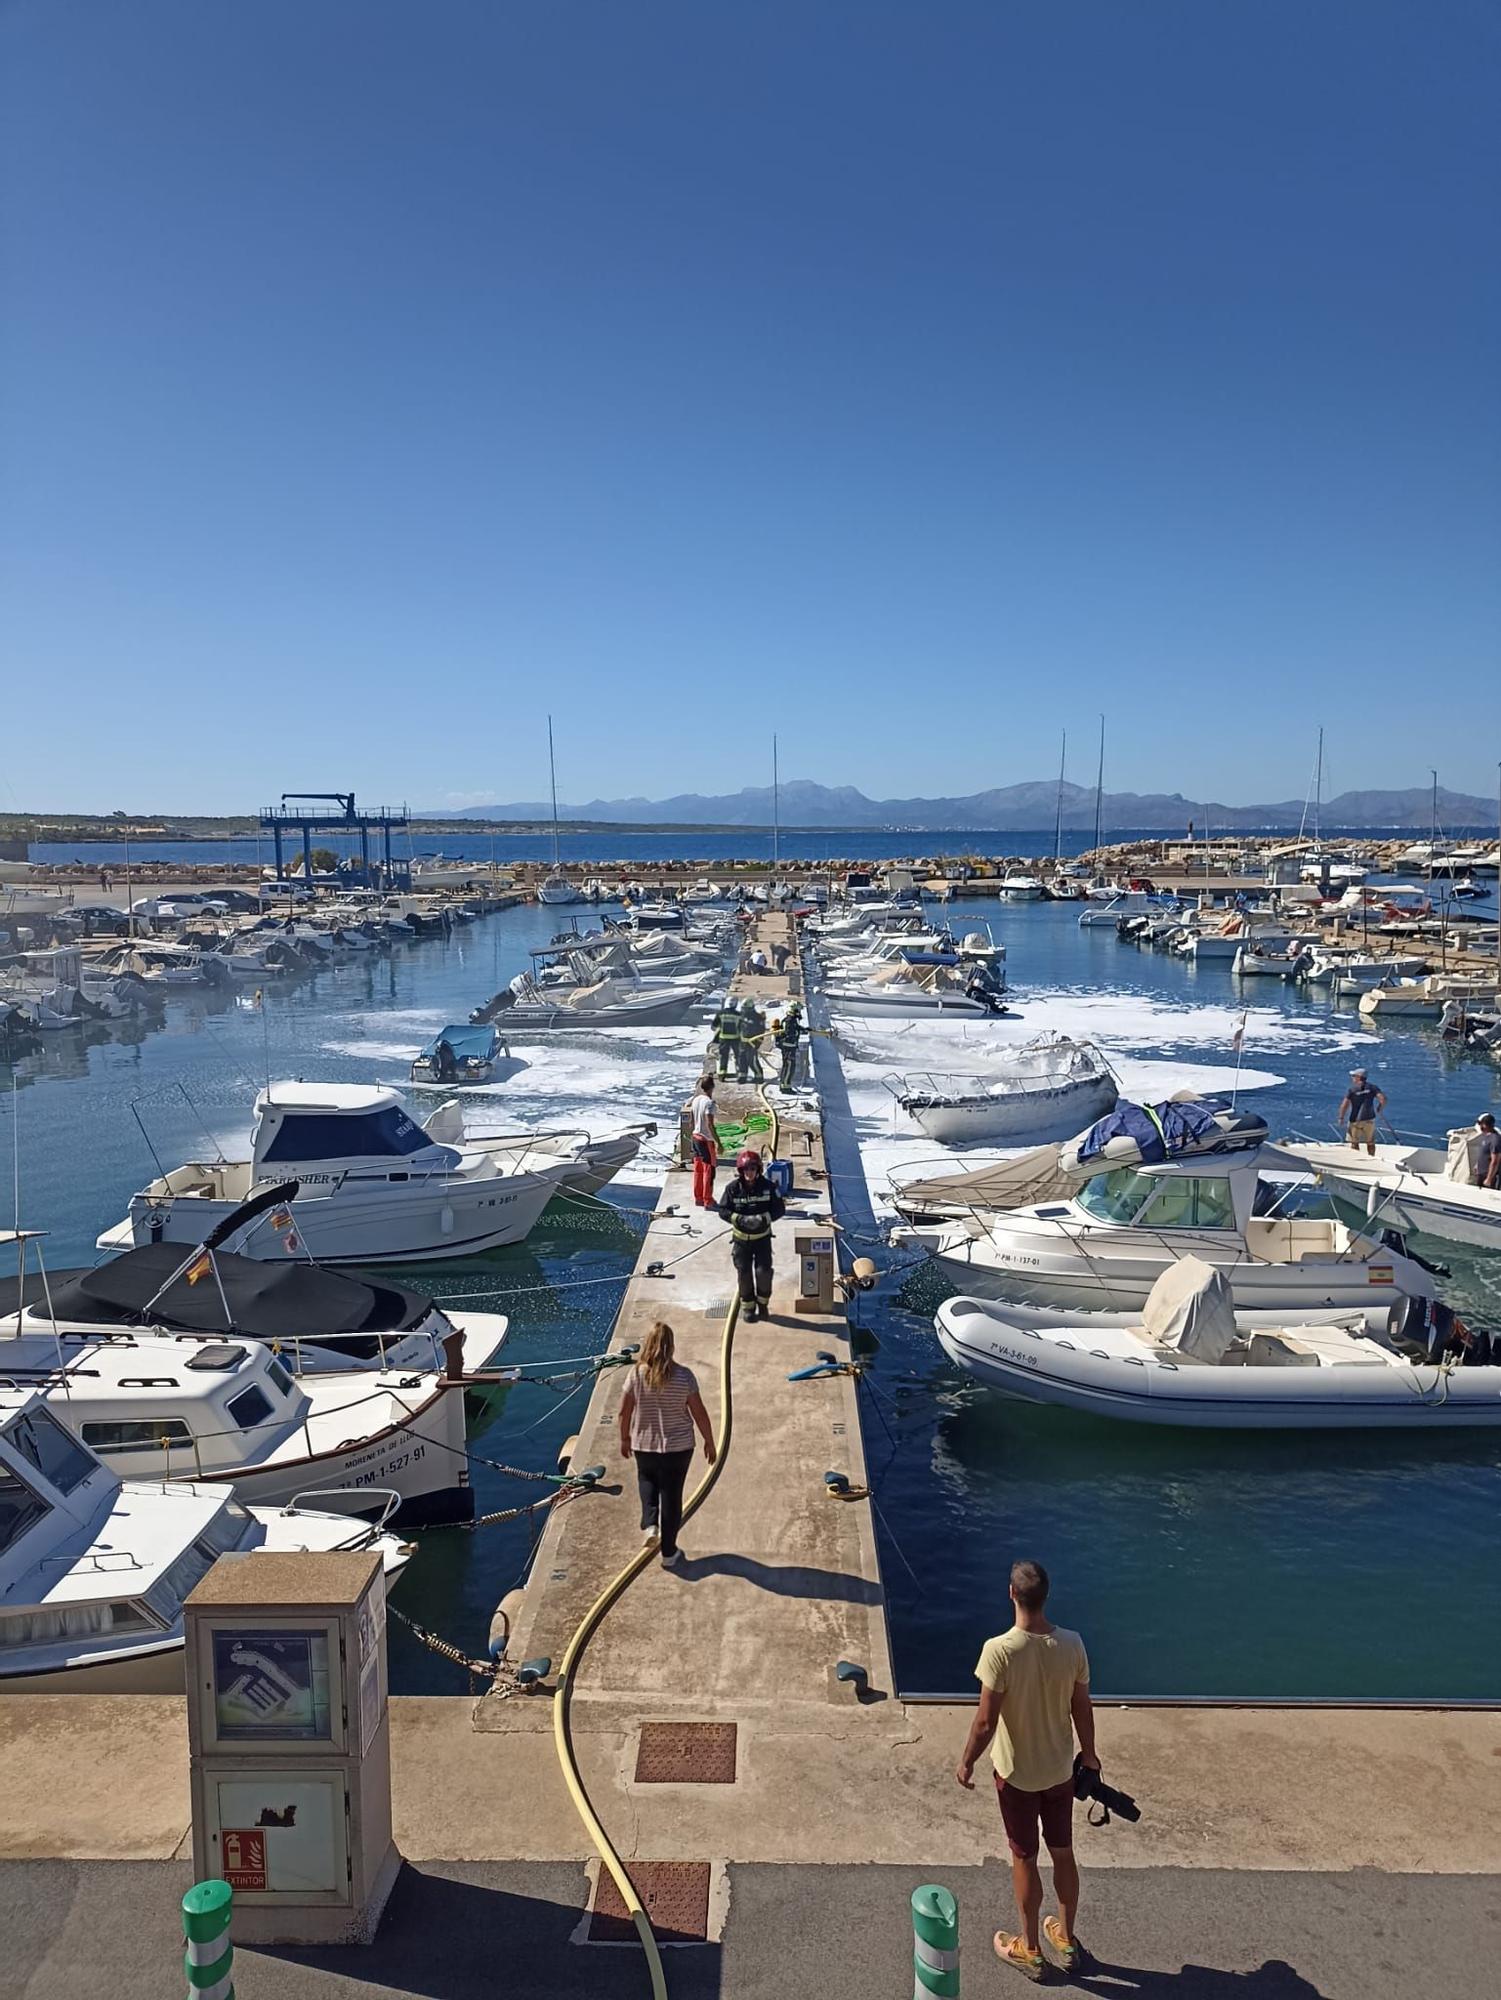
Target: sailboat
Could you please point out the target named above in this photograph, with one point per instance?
(556, 887)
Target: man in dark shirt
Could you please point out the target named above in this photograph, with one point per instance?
(1487, 1152)
(1360, 1105)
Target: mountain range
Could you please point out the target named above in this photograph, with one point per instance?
(1014, 808)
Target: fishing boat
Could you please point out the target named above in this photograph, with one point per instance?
(1127, 1208)
(375, 1187)
(1418, 1188)
(179, 1407)
(318, 1321)
(1189, 1357)
(1049, 1081)
(460, 1053)
(94, 1568)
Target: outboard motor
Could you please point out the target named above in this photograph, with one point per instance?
(1428, 1330)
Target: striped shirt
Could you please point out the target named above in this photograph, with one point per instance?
(660, 1420)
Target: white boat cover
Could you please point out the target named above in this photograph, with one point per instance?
(1191, 1310)
(1461, 1163)
(1039, 1174)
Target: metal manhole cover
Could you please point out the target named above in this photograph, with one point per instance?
(686, 1753)
(675, 1895)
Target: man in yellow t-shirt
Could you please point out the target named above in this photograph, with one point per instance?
(1034, 1694)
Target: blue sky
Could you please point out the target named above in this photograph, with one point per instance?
(912, 379)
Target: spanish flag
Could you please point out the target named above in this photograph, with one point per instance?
(199, 1268)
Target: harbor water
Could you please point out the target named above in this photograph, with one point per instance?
(1313, 1567)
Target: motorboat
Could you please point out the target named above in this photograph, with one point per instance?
(1418, 1188)
(318, 1321)
(179, 1407)
(374, 1186)
(586, 1163)
(460, 1053)
(1254, 961)
(1230, 936)
(657, 914)
(1475, 1028)
(1125, 1209)
(1424, 999)
(1105, 910)
(94, 1568)
(525, 1007)
(925, 983)
(1049, 1081)
(1189, 1357)
(1021, 889)
(1326, 964)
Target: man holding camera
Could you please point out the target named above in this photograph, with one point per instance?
(1034, 1694)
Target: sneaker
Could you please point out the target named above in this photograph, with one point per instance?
(673, 1561)
(649, 1534)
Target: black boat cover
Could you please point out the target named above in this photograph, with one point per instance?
(267, 1301)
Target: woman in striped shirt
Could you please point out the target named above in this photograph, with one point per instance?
(658, 1412)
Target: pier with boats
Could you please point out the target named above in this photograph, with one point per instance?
(298, 1330)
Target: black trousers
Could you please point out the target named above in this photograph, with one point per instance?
(728, 1053)
(660, 1479)
(789, 1065)
(753, 1268)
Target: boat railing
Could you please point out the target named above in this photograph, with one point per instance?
(388, 1496)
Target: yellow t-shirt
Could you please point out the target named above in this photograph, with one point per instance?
(1035, 1674)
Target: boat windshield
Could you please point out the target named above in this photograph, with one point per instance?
(312, 1135)
(20, 1508)
(1116, 1196)
(57, 1456)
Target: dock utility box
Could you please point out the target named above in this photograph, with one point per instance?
(815, 1269)
(289, 1744)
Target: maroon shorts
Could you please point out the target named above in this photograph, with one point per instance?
(1021, 1812)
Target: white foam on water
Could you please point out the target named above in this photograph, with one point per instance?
(1140, 1036)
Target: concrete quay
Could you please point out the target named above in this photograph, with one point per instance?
(1295, 1854)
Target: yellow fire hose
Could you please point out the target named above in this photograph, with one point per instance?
(592, 1620)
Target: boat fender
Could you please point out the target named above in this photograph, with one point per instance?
(566, 1451)
(503, 1621)
(445, 1219)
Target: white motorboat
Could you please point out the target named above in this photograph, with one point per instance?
(1415, 1188)
(1048, 1082)
(1326, 965)
(1227, 939)
(657, 914)
(1105, 1242)
(924, 983)
(374, 1186)
(179, 1407)
(1256, 962)
(1021, 889)
(1424, 999)
(525, 1006)
(320, 1322)
(1190, 1358)
(1105, 909)
(94, 1569)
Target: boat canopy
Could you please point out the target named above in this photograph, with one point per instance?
(266, 1301)
(929, 957)
(1191, 1310)
(1159, 1132)
(469, 1042)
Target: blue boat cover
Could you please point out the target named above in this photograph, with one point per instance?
(1160, 1130)
(929, 957)
(469, 1044)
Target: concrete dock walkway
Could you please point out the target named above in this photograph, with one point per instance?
(1283, 1854)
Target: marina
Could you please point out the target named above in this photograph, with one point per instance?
(953, 1459)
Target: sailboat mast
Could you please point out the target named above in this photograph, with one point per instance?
(776, 810)
(1318, 787)
(1058, 815)
(1433, 830)
(1099, 795)
(552, 779)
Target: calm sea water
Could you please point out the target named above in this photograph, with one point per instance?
(609, 844)
(1196, 1564)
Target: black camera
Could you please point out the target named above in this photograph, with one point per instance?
(1088, 1784)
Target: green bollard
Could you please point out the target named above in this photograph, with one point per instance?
(209, 1958)
(935, 1942)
